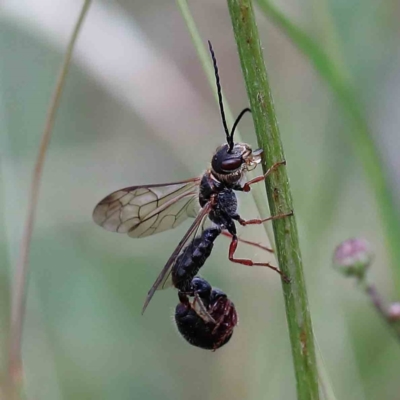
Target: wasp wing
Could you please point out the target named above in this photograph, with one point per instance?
(141, 211)
(163, 279)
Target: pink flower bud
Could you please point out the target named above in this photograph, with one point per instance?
(393, 312)
(353, 256)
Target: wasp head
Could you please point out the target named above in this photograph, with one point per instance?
(228, 165)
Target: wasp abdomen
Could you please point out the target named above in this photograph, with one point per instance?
(193, 258)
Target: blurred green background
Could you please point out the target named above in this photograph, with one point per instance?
(137, 109)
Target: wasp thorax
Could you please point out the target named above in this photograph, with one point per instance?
(228, 166)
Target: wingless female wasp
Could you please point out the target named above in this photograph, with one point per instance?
(145, 210)
(208, 321)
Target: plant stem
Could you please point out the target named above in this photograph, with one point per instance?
(18, 301)
(359, 135)
(376, 300)
(204, 56)
(279, 196)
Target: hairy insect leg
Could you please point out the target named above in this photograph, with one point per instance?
(258, 221)
(246, 186)
(227, 234)
(251, 263)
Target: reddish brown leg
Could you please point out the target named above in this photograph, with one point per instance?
(250, 263)
(258, 221)
(246, 186)
(228, 319)
(227, 307)
(227, 234)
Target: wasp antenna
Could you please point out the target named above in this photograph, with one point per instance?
(229, 138)
(238, 120)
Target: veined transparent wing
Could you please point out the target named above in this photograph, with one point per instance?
(146, 210)
(164, 279)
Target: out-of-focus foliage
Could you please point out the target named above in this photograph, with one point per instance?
(137, 109)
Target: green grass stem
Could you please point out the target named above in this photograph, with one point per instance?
(19, 291)
(279, 197)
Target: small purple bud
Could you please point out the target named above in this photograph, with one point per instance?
(393, 312)
(353, 256)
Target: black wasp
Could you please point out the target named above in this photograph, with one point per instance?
(145, 210)
(208, 321)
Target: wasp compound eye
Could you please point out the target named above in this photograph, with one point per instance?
(231, 164)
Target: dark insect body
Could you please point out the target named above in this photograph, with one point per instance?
(145, 210)
(209, 320)
(192, 258)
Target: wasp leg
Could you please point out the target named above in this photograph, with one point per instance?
(246, 186)
(258, 221)
(228, 319)
(251, 263)
(227, 309)
(201, 309)
(227, 234)
(205, 316)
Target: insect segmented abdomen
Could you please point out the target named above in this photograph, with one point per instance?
(193, 258)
